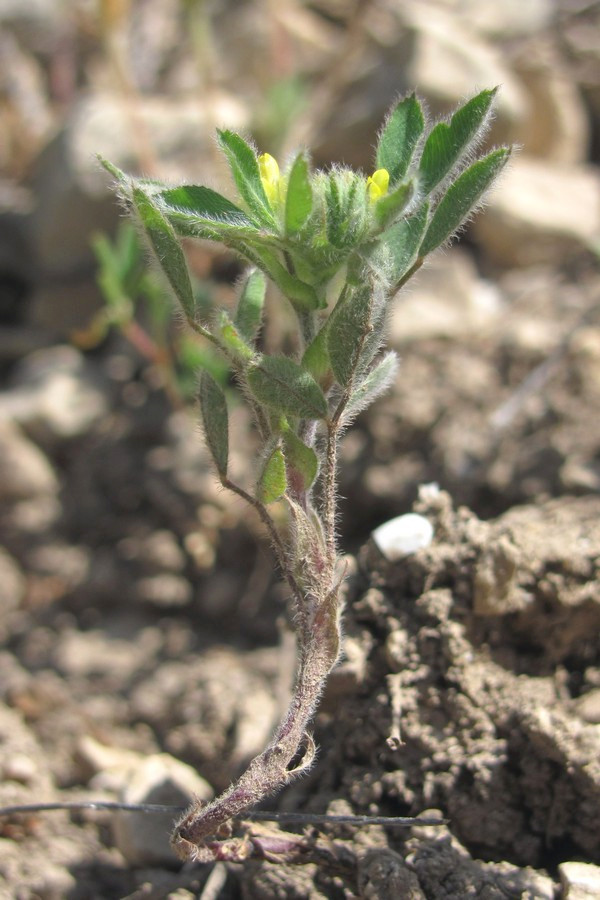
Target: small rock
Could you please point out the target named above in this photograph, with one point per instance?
(449, 58)
(449, 300)
(57, 394)
(580, 881)
(12, 583)
(541, 212)
(25, 472)
(165, 590)
(143, 838)
(511, 18)
(557, 127)
(403, 535)
(157, 551)
(384, 875)
(588, 706)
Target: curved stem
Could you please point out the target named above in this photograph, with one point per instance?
(199, 834)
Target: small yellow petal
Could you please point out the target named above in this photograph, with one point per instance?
(269, 175)
(378, 184)
(269, 168)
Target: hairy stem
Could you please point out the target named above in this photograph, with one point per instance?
(199, 834)
(330, 498)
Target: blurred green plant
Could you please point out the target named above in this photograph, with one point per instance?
(339, 246)
(139, 306)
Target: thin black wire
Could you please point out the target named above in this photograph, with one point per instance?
(256, 816)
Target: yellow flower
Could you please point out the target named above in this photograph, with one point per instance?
(270, 177)
(378, 184)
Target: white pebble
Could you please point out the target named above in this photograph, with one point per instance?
(404, 535)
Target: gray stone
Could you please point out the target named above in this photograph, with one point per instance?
(580, 881)
(511, 18)
(541, 212)
(12, 583)
(449, 58)
(557, 127)
(25, 472)
(143, 838)
(448, 299)
(384, 875)
(57, 395)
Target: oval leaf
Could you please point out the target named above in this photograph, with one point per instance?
(462, 197)
(284, 386)
(316, 357)
(272, 483)
(213, 409)
(202, 205)
(348, 326)
(299, 201)
(246, 174)
(250, 305)
(401, 243)
(373, 385)
(399, 138)
(392, 205)
(232, 340)
(301, 460)
(449, 141)
(167, 249)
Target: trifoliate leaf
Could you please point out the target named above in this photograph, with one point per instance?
(284, 386)
(213, 409)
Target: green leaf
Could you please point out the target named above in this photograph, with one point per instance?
(461, 198)
(250, 305)
(348, 325)
(301, 460)
(117, 174)
(316, 357)
(299, 200)
(284, 386)
(244, 168)
(400, 135)
(301, 295)
(167, 249)
(375, 383)
(231, 340)
(401, 242)
(213, 409)
(272, 483)
(347, 205)
(449, 141)
(393, 204)
(202, 205)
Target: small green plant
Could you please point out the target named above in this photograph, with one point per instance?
(137, 303)
(338, 245)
